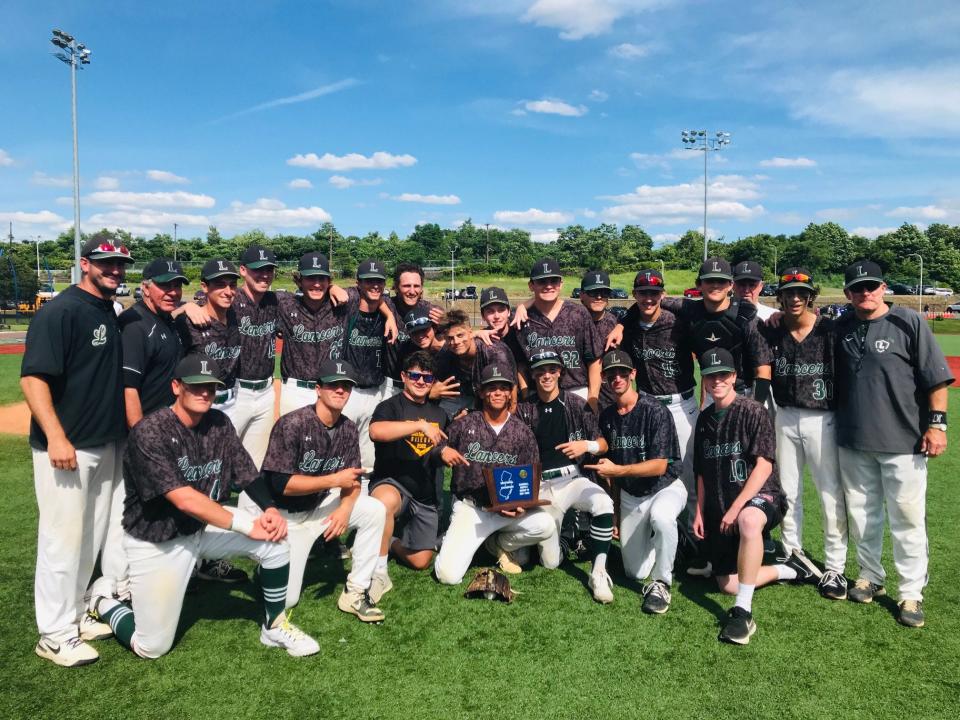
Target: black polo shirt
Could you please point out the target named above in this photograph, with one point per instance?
(151, 351)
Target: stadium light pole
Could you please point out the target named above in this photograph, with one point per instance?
(76, 55)
(453, 282)
(920, 286)
(174, 241)
(701, 140)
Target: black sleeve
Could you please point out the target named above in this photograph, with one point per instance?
(134, 343)
(277, 481)
(259, 492)
(182, 326)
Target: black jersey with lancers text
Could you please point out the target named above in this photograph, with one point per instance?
(645, 433)
(364, 345)
(258, 324)
(309, 336)
(300, 444)
(803, 372)
(163, 454)
(572, 335)
(661, 353)
(221, 341)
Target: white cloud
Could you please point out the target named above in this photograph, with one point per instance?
(836, 213)
(551, 106)
(629, 51)
(5, 159)
(872, 232)
(927, 212)
(43, 217)
(105, 182)
(599, 96)
(543, 236)
(588, 213)
(677, 204)
(44, 180)
(782, 162)
(292, 99)
(427, 199)
(533, 216)
(150, 199)
(300, 184)
(164, 176)
(662, 160)
(352, 161)
(269, 213)
(146, 221)
(663, 238)
(342, 183)
(577, 19)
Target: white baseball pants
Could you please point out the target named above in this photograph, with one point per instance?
(359, 408)
(114, 569)
(293, 396)
(252, 417)
(648, 532)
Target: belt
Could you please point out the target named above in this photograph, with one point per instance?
(565, 471)
(308, 384)
(225, 396)
(668, 399)
(255, 384)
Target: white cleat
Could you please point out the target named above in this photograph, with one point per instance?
(381, 585)
(286, 635)
(69, 653)
(92, 629)
(601, 586)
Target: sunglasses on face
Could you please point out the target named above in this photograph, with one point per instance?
(869, 286)
(344, 385)
(543, 282)
(796, 277)
(597, 293)
(616, 373)
(415, 376)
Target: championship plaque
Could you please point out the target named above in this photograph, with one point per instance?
(513, 486)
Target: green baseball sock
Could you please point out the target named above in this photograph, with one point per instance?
(601, 533)
(120, 619)
(273, 584)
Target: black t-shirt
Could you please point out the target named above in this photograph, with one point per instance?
(645, 433)
(300, 444)
(803, 372)
(258, 324)
(74, 344)
(163, 454)
(221, 341)
(151, 350)
(550, 431)
(412, 460)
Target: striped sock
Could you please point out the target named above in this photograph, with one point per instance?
(273, 583)
(601, 533)
(120, 619)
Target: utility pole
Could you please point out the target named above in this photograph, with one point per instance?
(488, 243)
(174, 241)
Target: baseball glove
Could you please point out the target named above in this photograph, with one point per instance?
(490, 584)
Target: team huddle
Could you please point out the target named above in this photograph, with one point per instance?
(156, 450)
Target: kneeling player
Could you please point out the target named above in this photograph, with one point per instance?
(179, 465)
(644, 463)
(490, 437)
(408, 432)
(739, 498)
(312, 467)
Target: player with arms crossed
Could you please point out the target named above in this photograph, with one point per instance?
(179, 466)
(490, 437)
(739, 498)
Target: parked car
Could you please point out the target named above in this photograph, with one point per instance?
(469, 292)
(769, 290)
(619, 312)
(575, 293)
(122, 290)
(954, 308)
(902, 289)
(137, 294)
(618, 294)
(693, 293)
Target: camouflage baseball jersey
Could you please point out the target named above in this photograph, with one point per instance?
(308, 335)
(300, 444)
(572, 335)
(803, 372)
(364, 345)
(661, 353)
(727, 444)
(606, 323)
(478, 443)
(258, 325)
(218, 340)
(448, 365)
(645, 433)
(163, 454)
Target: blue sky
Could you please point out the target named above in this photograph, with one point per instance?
(521, 113)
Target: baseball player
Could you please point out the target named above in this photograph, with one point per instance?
(179, 466)
(747, 284)
(313, 469)
(891, 417)
(642, 462)
(408, 297)
(73, 345)
(739, 498)
(489, 437)
(419, 333)
(802, 346)
(495, 311)
(595, 297)
(408, 430)
(566, 432)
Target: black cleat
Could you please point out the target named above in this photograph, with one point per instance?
(656, 598)
(807, 572)
(738, 627)
(833, 585)
(221, 571)
(864, 591)
(911, 613)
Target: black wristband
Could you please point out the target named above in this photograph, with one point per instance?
(937, 417)
(761, 389)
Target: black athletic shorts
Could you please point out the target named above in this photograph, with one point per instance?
(722, 549)
(418, 524)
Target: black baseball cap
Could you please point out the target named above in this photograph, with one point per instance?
(313, 263)
(595, 280)
(198, 369)
(371, 269)
(544, 268)
(545, 357)
(332, 371)
(213, 269)
(493, 373)
(652, 279)
(861, 271)
(416, 320)
(102, 247)
(715, 268)
(716, 360)
(794, 277)
(616, 358)
(747, 270)
(493, 295)
(163, 270)
(257, 256)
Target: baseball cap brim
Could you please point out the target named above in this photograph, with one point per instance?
(370, 276)
(595, 286)
(715, 276)
(865, 278)
(746, 276)
(260, 264)
(495, 301)
(220, 274)
(548, 361)
(505, 380)
(795, 284)
(541, 276)
(336, 378)
(310, 272)
(201, 380)
(109, 255)
(714, 369)
(167, 277)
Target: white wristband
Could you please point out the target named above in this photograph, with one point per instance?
(241, 524)
(593, 447)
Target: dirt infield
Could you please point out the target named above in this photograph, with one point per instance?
(15, 419)
(16, 349)
(954, 364)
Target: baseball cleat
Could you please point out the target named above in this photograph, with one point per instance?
(739, 626)
(359, 604)
(833, 585)
(911, 613)
(284, 634)
(380, 586)
(504, 559)
(656, 598)
(807, 572)
(601, 586)
(864, 591)
(92, 629)
(221, 571)
(69, 653)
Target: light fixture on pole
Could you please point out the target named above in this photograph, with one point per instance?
(76, 55)
(702, 141)
(920, 286)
